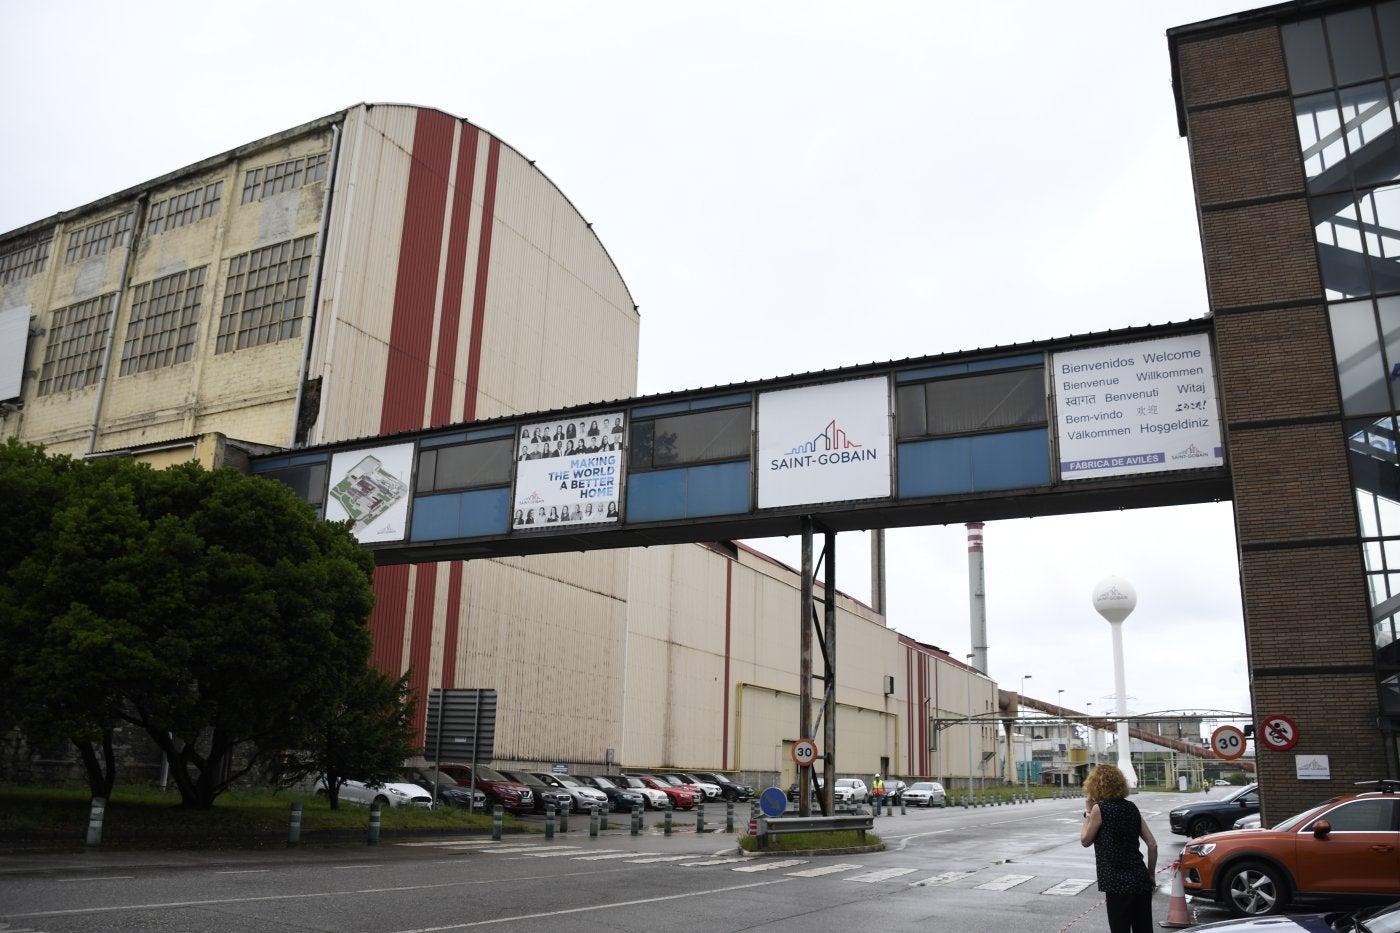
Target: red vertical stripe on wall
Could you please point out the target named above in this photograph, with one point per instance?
(456, 272)
(415, 291)
(386, 621)
(483, 265)
(911, 703)
(454, 611)
(420, 647)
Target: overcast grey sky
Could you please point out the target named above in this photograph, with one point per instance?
(785, 187)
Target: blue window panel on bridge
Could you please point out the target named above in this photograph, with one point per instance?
(981, 463)
(472, 514)
(688, 492)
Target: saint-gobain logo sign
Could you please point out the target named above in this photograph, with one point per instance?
(828, 443)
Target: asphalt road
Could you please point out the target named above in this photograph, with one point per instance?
(1010, 869)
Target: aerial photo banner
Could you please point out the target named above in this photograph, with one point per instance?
(370, 486)
(1145, 407)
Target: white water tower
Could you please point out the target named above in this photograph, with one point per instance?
(1115, 599)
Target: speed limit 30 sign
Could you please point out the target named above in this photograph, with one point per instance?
(1227, 742)
(804, 752)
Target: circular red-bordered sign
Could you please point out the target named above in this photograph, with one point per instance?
(1228, 742)
(804, 752)
(1278, 732)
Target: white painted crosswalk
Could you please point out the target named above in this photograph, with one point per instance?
(794, 867)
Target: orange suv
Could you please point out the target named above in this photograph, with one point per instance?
(1345, 849)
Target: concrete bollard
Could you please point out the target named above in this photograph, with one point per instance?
(497, 819)
(593, 821)
(903, 810)
(729, 816)
(294, 829)
(564, 819)
(549, 821)
(374, 824)
(637, 819)
(603, 815)
(96, 815)
(700, 817)
(964, 801)
(669, 811)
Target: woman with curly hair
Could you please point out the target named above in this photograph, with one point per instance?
(1113, 825)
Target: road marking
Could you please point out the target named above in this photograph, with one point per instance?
(947, 877)
(244, 871)
(824, 870)
(1068, 888)
(770, 866)
(658, 858)
(600, 858)
(1004, 883)
(884, 874)
(565, 850)
(580, 910)
(714, 861)
(510, 849)
(101, 878)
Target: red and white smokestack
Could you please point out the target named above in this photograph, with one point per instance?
(977, 596)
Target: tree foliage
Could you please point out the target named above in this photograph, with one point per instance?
(211, 609)
(365, 733)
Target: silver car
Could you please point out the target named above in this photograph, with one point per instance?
(925, 794)
(585, 797)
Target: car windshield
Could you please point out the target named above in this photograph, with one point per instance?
(922, 785)
(601, 782)
(484, 773)
(1379, 920)
(846, 782)
(1242, 793)
(444, 780)
(567, 781)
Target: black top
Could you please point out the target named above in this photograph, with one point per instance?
(1120, 866)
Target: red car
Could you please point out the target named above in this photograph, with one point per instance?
(512, 795)
(682, 797)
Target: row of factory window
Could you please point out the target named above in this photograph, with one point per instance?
(186, 207)
(264, 301)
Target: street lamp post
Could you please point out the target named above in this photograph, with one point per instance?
(1093, 735)
(1026, 775)
(969, 723)
(1064, 725)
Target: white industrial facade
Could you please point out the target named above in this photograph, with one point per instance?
(389, 268)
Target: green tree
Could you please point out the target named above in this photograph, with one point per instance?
(213, 610)
(365, 734)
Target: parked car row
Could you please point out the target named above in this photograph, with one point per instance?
(519, 791)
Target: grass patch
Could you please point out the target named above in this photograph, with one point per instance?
(801, 842)
(33, 819)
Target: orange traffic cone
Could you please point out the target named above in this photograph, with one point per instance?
(1177, 916)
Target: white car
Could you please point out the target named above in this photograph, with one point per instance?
(926, 794)
(393, 793)
(851, 790)
(656, 799)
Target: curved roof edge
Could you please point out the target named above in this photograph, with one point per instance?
(332, 119)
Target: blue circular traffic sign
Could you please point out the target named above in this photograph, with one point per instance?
(773, 802)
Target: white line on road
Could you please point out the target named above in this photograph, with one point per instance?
(714, 861)
(770, 866)
(610, 855)
(580, 910)
(947, 877)
(824, 870)
(244, 871)
(884, 874)
(1068, 888)
(1004, 883)
(658, 858)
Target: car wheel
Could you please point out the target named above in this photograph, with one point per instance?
(1201, 826)
(381, 800)
(1254, 890)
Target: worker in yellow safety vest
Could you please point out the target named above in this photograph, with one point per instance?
(877, 787)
